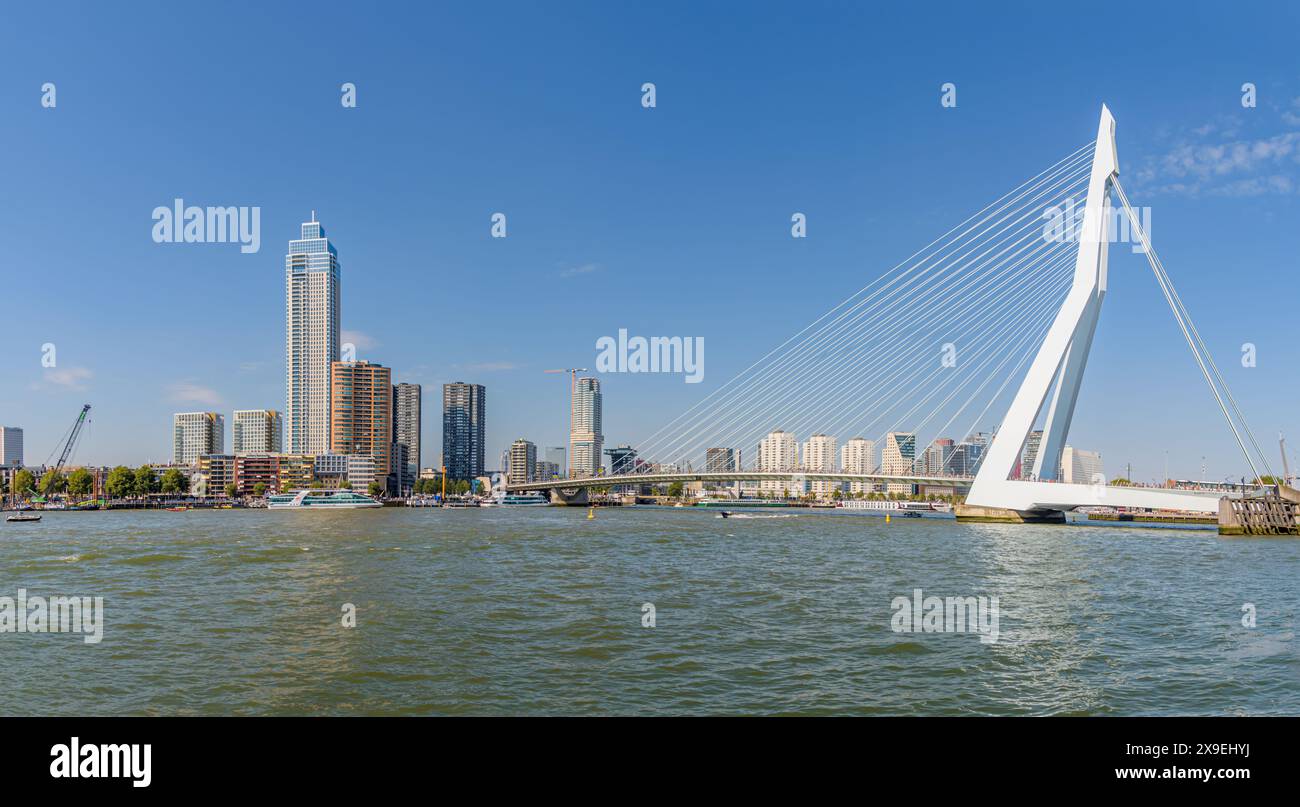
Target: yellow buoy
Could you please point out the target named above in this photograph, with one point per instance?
(591, 512)
(886, 518)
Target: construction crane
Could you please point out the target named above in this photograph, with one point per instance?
(573, 389)
(72, 439)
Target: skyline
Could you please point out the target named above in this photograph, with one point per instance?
(645, 223)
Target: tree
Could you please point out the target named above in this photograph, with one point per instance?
(81, 482)
(374, 489)
(346, 485)
(173, 481)
(232, 490)
(146, 481)
(1120, 481)
(4, 486)
(317, 485)
(259, 490)
(675, 490)
(24, 482)
(52, 482)
(120, 482)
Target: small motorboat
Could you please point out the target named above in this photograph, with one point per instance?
(19, 517)
(177, 509)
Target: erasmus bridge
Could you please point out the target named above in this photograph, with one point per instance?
(988, 328)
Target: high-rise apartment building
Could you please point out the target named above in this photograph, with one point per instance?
(778, 452)
(721, 460)
(819, 455)
(523, 462)
(897, 458)
(585, 437)
(256, 431)
(312, 291)
(11, 447)
(934, 460)
(195, 434)
(464, 429)
(406, 427)
(361, 413)
(858, 456)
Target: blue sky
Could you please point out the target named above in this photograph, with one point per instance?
(673, 220)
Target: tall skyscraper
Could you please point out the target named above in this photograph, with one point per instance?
(256, 431)
(195, 434)
(11, 446)
(819, 455)
(361, 413)
(407, 406)
(778, 452)
(897, 458)
(523, 462)
(464, 429)
(858, 456)
(585, 438)
(312, 281)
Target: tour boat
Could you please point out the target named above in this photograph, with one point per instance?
(903, 506)
(321, 500)
(530, 499)
(24, 517)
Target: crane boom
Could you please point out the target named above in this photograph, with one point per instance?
(72, 438)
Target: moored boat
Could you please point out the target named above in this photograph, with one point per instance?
(321, 500)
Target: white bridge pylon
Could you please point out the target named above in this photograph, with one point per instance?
(1058, 369)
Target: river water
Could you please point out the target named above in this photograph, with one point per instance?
(540, 611)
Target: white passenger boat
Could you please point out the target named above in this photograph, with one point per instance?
(532, 498)
(894, 506)
(321, 500)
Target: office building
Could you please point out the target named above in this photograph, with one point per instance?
(256, 431)
(11, 447)
(312, 281)
(195, 434)
(464, 429)
(546, 471)
(934, 460)
(585, 437)
(1079, 467)
(721, 460)
(361, 413)
(622, 459)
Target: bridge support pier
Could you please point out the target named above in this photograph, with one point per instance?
(573, 497)
(1002, 515)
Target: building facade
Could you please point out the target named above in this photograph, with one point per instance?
(256, 431)
(1081, 467)
(819, 455)
(778, 452)
(11, 447)
(897, 459)
(1029, 454)
(523, 462)
(858, 456)
(361, 414)
(195, 434)
(407, 405)
(464, 429)
(312, 298)
(586, 438)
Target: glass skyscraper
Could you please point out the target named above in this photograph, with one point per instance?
(312, 280)
(464, 429)
(585, 438)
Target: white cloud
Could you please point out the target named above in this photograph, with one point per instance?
(583, 269)
(185, 392)
(68, 378)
